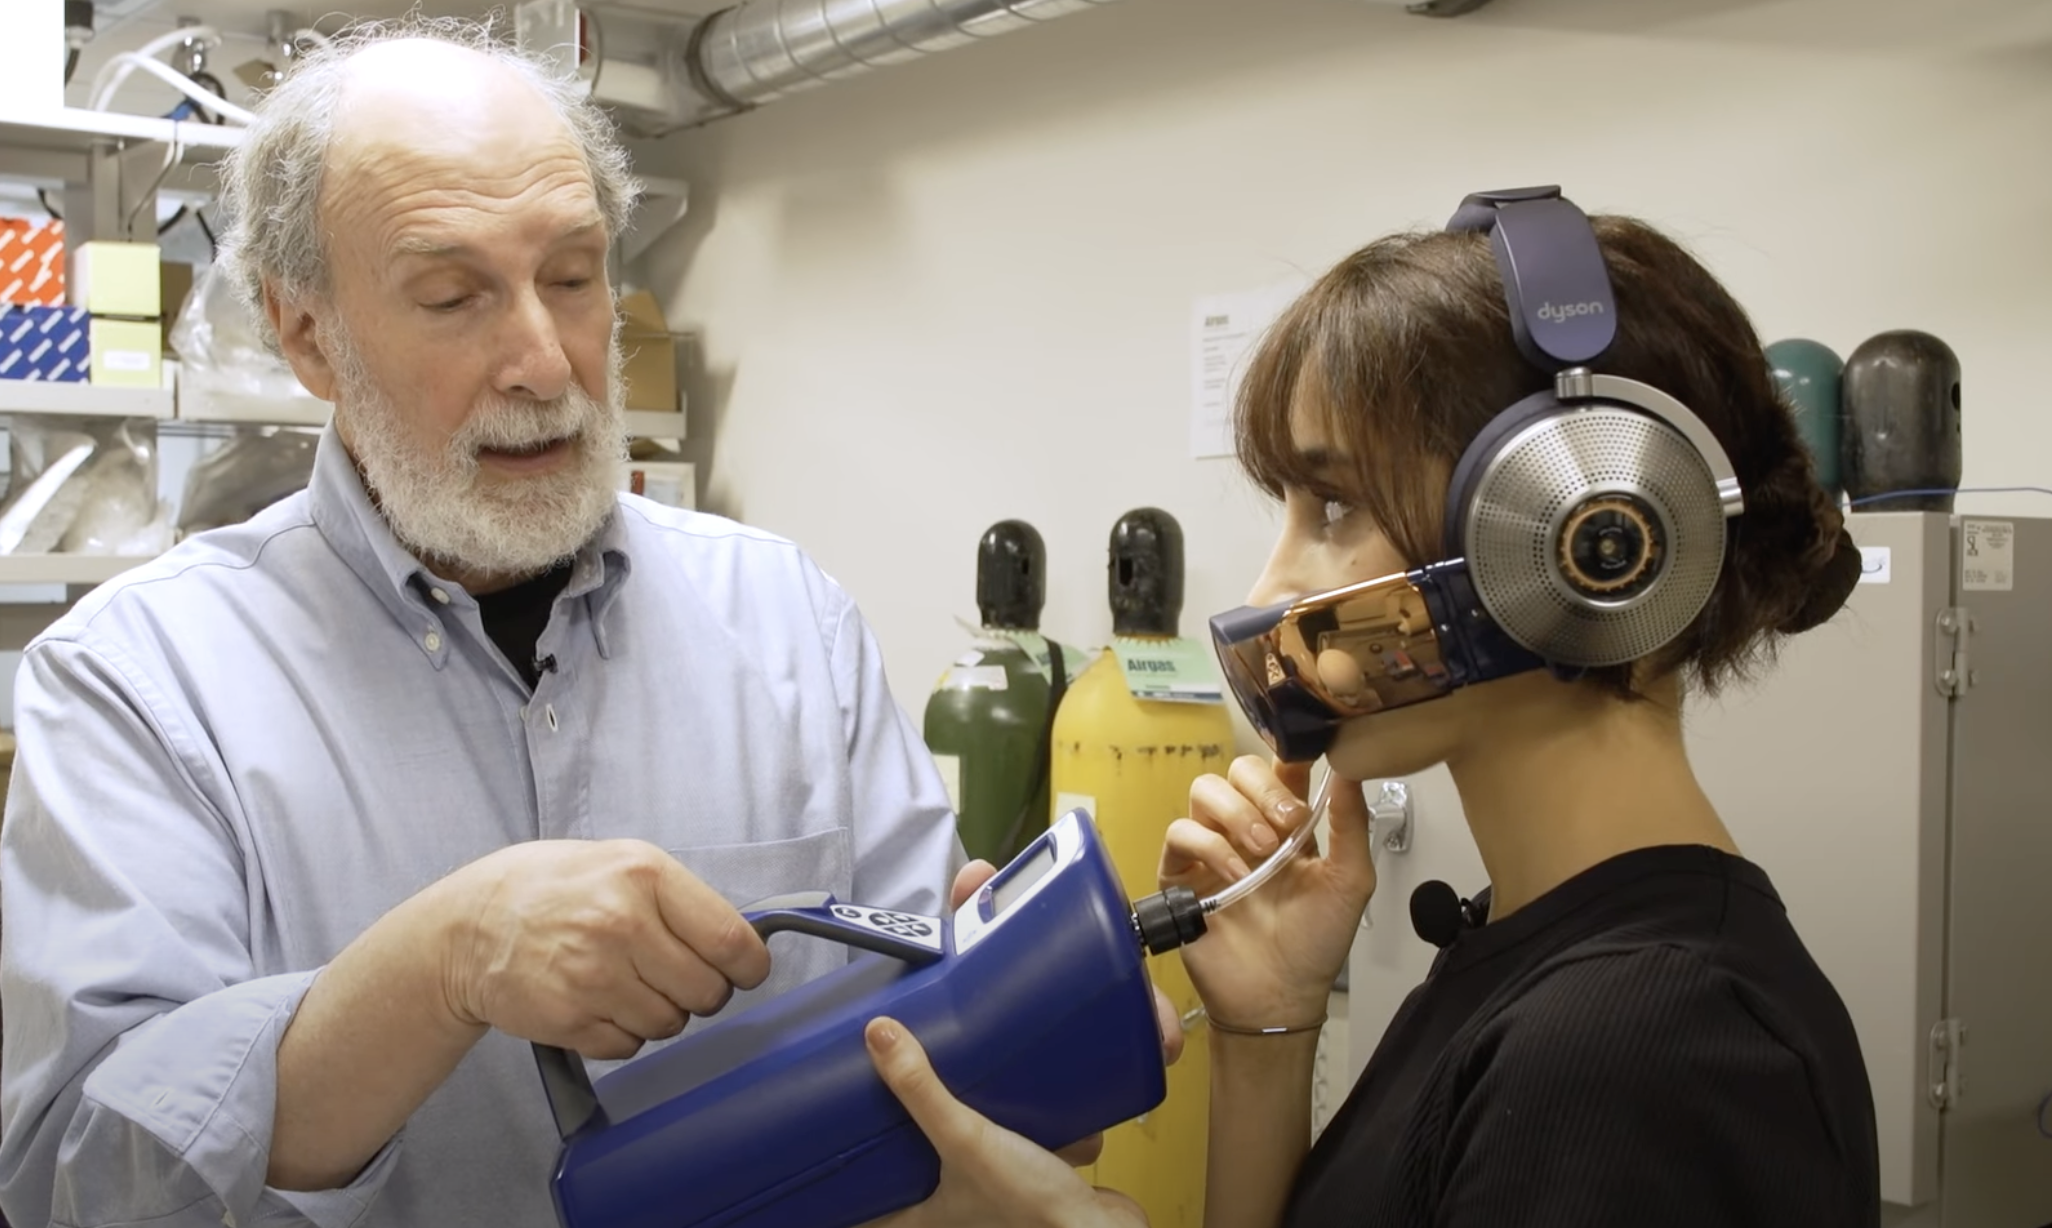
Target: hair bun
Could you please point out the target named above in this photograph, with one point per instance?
(1829, 589)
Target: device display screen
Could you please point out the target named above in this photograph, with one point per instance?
(1006, 892)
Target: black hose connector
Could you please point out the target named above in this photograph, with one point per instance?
(1168, 919)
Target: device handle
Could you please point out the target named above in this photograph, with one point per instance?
(910, 937)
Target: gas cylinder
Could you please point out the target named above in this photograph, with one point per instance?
(1808, 374)
(1134, 731)
(987, 718)
(1902, 422)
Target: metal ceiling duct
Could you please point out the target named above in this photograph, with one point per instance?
(762, 50)
(661, 72)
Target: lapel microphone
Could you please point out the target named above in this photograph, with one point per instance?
(1439, 914)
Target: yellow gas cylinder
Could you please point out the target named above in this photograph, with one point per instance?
(1132, 734)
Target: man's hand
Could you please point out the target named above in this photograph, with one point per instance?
(596, 946)
(990, 1176)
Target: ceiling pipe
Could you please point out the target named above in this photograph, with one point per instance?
(662, 73)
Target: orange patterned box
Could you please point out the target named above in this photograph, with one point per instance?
(31, 262)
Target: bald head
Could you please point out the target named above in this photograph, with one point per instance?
(428, 94)
(393, 102)
(439, 150)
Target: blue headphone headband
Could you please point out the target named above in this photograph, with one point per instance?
(1554, 281)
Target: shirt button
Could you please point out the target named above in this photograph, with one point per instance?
(439, 594)
(432, 641)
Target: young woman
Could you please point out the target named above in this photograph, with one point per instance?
(1624, 1028)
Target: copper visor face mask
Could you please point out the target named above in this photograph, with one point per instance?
(1585, 525)
(1300, 668)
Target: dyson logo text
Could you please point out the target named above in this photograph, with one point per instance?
(1567, 311)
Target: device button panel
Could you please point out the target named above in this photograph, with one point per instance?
(908, 927)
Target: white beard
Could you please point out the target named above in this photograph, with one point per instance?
(445, 512)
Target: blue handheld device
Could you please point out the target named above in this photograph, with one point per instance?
(1032, 1001)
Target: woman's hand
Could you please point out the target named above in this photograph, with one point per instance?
(990, 1177)
(1269, 959)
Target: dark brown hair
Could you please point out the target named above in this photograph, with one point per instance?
(1409, 340)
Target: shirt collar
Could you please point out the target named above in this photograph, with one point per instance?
(357, 530)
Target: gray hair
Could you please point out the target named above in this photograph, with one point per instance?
(271, 181)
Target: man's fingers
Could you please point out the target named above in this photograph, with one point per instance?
(603, 1042)
(665, 964)
(968, 879)
(642, 1012)
(710, 926)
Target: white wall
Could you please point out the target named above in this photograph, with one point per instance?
(959, 290)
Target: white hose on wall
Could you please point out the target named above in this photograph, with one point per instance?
(180, 82)
(119, 68)
(112, 73)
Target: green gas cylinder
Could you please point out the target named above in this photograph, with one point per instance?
(1809, 374)
(987, 719)
(1134, 732)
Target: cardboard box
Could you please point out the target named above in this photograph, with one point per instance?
(651, 370)
(31, 262)
(127, 353)
(45, 343)
(118, 279)
(176, 279)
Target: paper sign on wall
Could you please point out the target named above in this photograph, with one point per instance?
(1224, 328)
(1987, 555)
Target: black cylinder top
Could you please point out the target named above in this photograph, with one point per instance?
(1011, 576)
(1146, 573)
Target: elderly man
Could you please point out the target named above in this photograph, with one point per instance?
(320, 819)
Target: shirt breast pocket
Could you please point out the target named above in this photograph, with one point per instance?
(745, 873)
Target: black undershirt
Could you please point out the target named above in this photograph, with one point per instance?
(1648, 1045)
(515, 617)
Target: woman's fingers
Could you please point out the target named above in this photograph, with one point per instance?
(1351, 854)
(1191, 851)
(1282, 809)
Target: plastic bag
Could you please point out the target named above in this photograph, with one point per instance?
(253, 470)
(80, 485)
(219, 348)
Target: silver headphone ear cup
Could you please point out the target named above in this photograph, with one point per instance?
(1567, 495)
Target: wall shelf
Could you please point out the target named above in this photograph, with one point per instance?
(655, 424)
(189, 405)
(19, 396)
(65, 568)
(75, 130)
(197, 406)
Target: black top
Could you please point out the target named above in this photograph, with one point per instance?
(515, 617)
(1647, 1044)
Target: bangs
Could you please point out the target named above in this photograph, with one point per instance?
(1326, 349)
(1398, 355)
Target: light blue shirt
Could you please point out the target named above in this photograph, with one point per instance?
(236, 757)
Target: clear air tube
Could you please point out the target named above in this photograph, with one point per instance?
(1170, 918)
(1278, 859)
